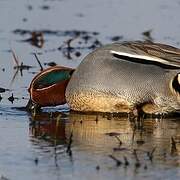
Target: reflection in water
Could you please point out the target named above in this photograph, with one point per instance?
(45, 127)
(109, 141)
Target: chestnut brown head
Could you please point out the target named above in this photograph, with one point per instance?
(49, 86)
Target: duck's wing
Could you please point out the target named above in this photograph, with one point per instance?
(158, 54)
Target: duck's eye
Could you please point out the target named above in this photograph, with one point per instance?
(176, 83)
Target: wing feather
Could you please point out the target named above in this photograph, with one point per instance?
(158, 54)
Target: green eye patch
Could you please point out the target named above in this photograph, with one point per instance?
(51, 78)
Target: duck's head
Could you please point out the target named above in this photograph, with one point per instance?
(48, 87)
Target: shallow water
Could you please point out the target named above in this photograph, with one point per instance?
(39, 146)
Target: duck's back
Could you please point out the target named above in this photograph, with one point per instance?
(107, 82)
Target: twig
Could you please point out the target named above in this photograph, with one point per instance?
(15, 58)
(38, 61)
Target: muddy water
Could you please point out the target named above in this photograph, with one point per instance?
(58, 144)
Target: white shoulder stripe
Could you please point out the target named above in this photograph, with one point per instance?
(178, 78)
(148, 58)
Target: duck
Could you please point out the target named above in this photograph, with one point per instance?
(121, 77)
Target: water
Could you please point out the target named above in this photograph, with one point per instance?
(34, 147)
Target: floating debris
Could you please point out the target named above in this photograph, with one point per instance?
(67, 48)
(77, 54)
(36, 160)
(2, 90)
(11, 98)
(97, 167)
(30, 7)
(116, 38)
(97, 43)
(71, 33)
(147, 35)
(45, 7)
(80, 15)
(50, 64)
(86, 38)
(36, 39)
(24, 19)
(4, 178)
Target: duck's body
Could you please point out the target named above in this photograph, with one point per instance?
(121, 77)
